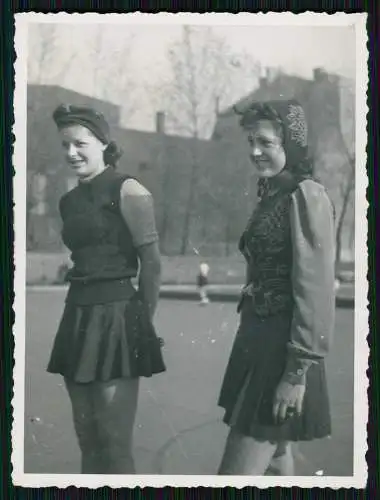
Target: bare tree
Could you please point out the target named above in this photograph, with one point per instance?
(203, 80)
(110, 62)
(97, 56)
(338, 176)
(345, 192)
(165, 168)
(41, 44)
(206, 76)
(225, 193)
(345, 176)
(45, 49)
(335, 157)
(347, 135)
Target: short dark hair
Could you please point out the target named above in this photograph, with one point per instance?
(261, 111)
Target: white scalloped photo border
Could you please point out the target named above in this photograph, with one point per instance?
(359, 478)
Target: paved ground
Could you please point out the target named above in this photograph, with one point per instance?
(217, 292)
(345, 294)
(178, 428)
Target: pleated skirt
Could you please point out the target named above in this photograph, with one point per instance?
(254, 370)
(103, 342)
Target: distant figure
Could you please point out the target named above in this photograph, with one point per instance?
(202, 283)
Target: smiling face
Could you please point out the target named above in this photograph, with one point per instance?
(266, 150)
(83, 151)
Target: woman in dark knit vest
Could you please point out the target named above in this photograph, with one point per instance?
(274, 390)
(106, 339)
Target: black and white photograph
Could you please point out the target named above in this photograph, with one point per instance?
(190, 250)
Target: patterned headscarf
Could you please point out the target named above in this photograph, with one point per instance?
(290, 116)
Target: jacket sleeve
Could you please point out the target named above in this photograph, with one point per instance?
(313, 276)
(137, 209)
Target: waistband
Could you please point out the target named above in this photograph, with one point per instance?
(100, 291)
(256, 300)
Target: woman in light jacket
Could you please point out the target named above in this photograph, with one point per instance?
(274, 390)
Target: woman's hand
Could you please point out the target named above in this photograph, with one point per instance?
(288, 401)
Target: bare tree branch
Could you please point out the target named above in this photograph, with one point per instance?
(203, 73)
(112, 78)
(44, 52)
(339, 175)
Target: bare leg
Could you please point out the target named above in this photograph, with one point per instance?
(203, 295)
(81, 398)
(246, 456)
(115, 410)
(282, 463)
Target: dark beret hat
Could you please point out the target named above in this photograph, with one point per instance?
(68, 114)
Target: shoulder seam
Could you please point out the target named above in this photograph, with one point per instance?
(142, 189)
(316, 185)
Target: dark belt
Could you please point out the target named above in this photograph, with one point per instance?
(90, 292)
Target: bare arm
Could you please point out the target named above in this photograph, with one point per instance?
(138, 212)
(150, 275)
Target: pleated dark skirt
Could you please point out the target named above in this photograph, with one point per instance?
(103, 342)
(254, 370)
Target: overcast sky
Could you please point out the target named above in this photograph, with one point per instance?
(296, 49)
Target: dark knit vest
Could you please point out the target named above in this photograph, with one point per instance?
(267, 247)
(100, 242)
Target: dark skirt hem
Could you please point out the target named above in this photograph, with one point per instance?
(254, 370)
(77, 380)
(104, 342)
(278, 433)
